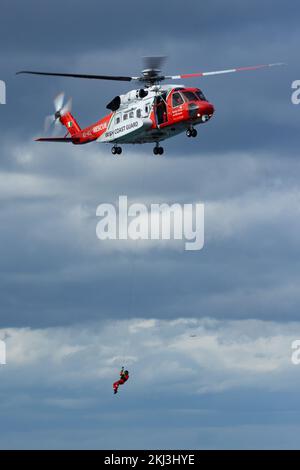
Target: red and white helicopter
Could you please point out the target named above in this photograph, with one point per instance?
(151, 113)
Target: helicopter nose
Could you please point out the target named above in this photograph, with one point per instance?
(205, 111)
(209, 109)
(202, 110)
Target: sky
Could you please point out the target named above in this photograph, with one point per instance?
(206, 335)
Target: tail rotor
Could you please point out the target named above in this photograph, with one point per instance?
(60, 110)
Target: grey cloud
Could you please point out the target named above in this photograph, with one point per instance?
(56, 271)
(229, 372)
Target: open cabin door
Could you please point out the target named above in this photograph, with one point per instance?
(161, 110)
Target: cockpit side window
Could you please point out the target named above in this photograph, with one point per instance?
(177, 99)
(201, 95)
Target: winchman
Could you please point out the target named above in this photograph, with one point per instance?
(124, 376)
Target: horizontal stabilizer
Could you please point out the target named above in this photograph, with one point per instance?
(54, 139)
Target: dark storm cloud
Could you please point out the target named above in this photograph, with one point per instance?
(55, 270)
(73, 26)
(71, 36)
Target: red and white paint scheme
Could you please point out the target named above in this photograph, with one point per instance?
(151, 113)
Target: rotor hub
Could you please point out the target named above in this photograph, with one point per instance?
(151, 76)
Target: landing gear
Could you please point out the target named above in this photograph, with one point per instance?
(158, 150)
(191, 132)
(116, 150)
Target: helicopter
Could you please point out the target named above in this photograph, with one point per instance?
(151, 113)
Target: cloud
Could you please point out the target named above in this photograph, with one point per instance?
(208, 355)
(202, 382)
(239, 216)
(62, 273)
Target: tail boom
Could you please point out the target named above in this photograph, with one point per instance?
(79, 136)
(70, 123)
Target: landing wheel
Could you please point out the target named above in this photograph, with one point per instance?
(189, 132)
(158, 150)
(194, 133)
(116, 150)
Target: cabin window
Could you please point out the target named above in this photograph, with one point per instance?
(147, 109)
(177, 99)
(131, 114)
(138, 113)
(125, 117)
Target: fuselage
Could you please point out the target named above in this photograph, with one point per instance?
(147, 115)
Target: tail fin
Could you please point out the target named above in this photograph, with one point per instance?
(70, 123)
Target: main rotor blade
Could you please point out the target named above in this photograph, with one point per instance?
(79, 75)
(220, 72)
(154, 62)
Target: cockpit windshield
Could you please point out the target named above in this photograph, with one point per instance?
(194, 96)
(190, 96)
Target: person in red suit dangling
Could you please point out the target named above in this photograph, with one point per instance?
(124, 376)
